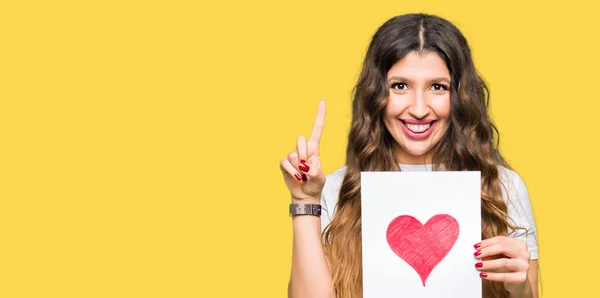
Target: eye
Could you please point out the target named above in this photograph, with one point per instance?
(399, 86)
(439, 87)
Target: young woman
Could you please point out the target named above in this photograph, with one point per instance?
(419, 104)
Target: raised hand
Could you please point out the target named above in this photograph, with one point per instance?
(301, 169)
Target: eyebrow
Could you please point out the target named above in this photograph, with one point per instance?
(403, 79)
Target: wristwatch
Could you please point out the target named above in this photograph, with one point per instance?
(305, 209)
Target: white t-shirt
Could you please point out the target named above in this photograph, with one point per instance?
(514, 193)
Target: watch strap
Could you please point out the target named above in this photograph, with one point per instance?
(305, 209)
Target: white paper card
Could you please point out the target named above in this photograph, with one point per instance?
(418, 232)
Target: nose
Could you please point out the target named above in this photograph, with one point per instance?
(419, 107)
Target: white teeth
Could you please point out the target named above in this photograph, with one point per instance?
(418, 127)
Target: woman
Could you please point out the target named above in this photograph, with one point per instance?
(418, 105)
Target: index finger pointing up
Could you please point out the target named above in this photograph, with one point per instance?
(315, 136)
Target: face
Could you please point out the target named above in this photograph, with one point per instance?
(418, 106)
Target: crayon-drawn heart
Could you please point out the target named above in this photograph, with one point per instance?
(422, 246)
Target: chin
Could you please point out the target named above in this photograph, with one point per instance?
(415, 149)
(416, 152)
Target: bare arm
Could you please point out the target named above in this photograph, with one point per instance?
(311, 276)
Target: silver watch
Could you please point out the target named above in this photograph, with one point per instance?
(305, 209)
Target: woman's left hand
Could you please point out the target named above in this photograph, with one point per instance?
(506, 260)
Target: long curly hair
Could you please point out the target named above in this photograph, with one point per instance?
(469, 144)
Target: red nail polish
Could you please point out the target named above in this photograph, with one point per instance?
(478, 265)
(302, 161)
(482, 274)
(304, 178)
(304, 167)
(478, 245)
(298, 177)
(477, 253)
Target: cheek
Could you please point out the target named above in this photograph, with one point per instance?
(442, 108)
(389, 115)
(394, 107)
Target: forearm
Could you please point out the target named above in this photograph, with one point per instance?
(525, 292)
(311, 276)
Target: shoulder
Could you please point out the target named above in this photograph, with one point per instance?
(333, 182)
(331, 190)
(520, 213)
(330, 194)
(513, 187)
(515, 195)
(509, 178)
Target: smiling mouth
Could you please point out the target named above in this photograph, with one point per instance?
(418, 128)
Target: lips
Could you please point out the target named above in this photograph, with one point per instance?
(417, 129)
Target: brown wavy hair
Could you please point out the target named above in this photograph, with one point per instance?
(469, 144)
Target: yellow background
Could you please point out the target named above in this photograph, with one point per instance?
(140, 140)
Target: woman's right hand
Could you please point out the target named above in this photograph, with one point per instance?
(301, 169)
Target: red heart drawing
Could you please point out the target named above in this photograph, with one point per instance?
(422, 246)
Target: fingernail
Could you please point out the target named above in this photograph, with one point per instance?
(477, 253)
(302, 161)
(304, 167)
(478, 245)
(478, 265)
(298, 177)
(304, 178)
(482, 274)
